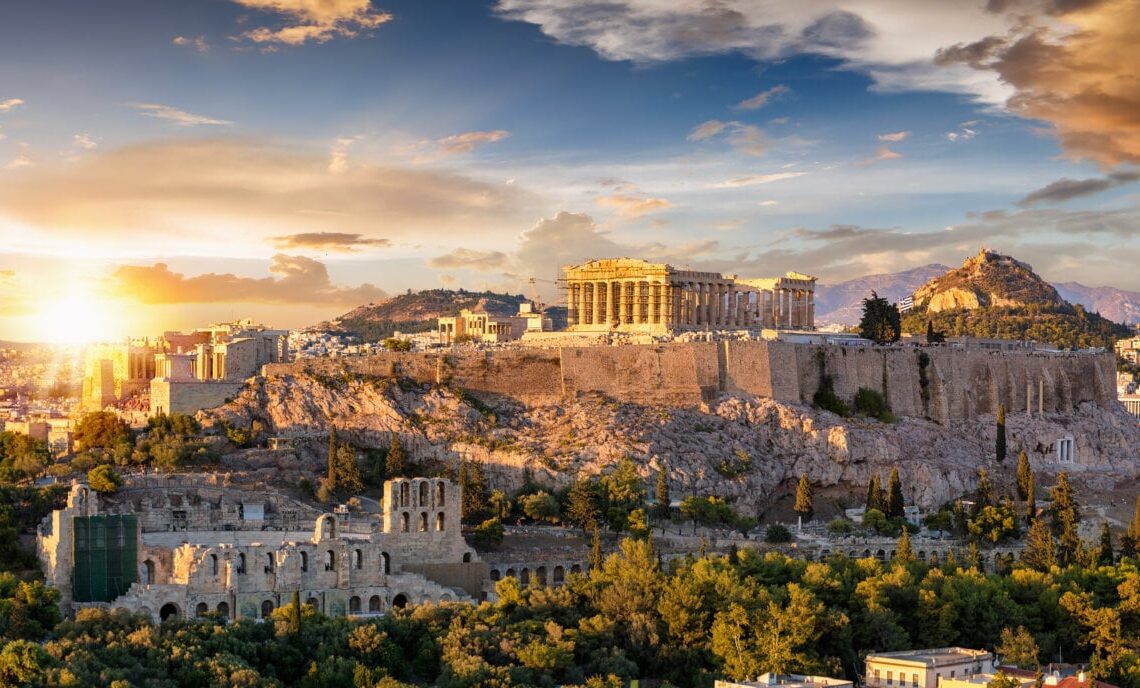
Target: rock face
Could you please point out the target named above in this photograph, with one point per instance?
(987, 279)
(738, 446)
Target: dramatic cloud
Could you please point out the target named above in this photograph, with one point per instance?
(628, 205)
(763, 98)
(1066, 189)
(179, 117)
(198, 42)
(746, 138)
(315, 20)
(466, 142)
(470, 259)
(1079, 72)
(84, 141)
(292, 280)
(328, 241)
(231, 194)
(894, 137)
(757, 179)
(883, 153)
(10, 104)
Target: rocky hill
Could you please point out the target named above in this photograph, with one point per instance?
(416, 311)
(842, 303)
(993, 295)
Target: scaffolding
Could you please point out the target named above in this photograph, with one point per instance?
(104, 556)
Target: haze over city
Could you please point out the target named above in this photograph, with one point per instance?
(168, 164)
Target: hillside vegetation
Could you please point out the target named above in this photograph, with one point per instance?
(416, 311)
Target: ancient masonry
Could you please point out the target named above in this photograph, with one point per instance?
(632, 295)
(166, 549)
(940, 383)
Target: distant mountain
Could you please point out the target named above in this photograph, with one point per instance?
(997, 296)
(416, 311)
(842, 303)
(1115, 304)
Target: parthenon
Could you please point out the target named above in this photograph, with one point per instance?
(633, 295)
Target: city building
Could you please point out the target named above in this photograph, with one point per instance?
(982, 680)
(633, 295)
(1129, 350)
(177, 549)
(925, 668)
(479, 326)
(787, 681)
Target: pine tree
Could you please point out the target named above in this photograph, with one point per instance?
(874, 493)
(1031, 503)
(1104, 555)
(395, 463)
(1039, 552)
(662, 510)
(975, 556)
(1066, 517)
(984, 495)
(596, 549)
(1024, 475)
(1130, 541)
(903, 552)
(473, 504)
(805, 506)
(295, 614)
(1000, 444)
(331, 476)
(895, 506)
(348, 477)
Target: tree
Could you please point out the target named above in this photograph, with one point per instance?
(585, 503)
(1065, 519)
(895, 507)
(1130, 541)
(1001, 680)
(1104, 554)
(881, 321)
(104, 480)
(984, 494)
(500, 504)
(804, 498)
(489, 533)
(662, 510)
(540, 506)
(101, 429)
(874, 494)
(295, 614)
(1031, 502)
(472, 491)
(396, 457)
(348, 477)
(777, 533)
(933, 336)
(1000, 442)
(1024, 476)
(903, 552)
(1039, 552)
(1018, 647)
(331, 472)
(596, 548)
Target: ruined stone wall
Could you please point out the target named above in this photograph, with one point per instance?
(940, 383)
(187, 397)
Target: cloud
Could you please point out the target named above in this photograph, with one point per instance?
(470, 259)
(338, 158)
(757, 179)
(84, 141)
(761, 99)
(18, 162)
(10, 104)
(631, 206)
(179, 117)
(198, 42)
(467, 141)
(894, 137)
(292, 280)
(746, 138)
(963, 134)
(318, 21)
(883, 153)
(1066, 189)
(227, 195)
(329, 241)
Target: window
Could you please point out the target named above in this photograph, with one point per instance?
(213, 564)
(330, 560)
(241, 563)
(951, 674)
(423, 522)
(424, 494)
(270, 563)
(439, 521)
(890, 678)
(914, 679)
(876, 675)
(404, 522)
(358, 559)
(439, 494)
(304, 561)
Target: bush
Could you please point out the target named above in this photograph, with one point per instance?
(777, 533)
(870, 403)
(840, 526)
(489, 534)
(104, 480)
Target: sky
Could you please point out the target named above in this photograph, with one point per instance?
(168, 164)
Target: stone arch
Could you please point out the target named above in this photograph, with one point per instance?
(405, 494)
(880, 555)
(313, 602)
(148, 572)
(241, 562)
(466, 557)
(540, 575)
(425, 499)
(169, 610)
(575, 568)
(404, 522)
(866, 554)
(330, 560)
(213, 564)
(202, 609)
(524, 576)
(270, 562)
(399, 601)
(224, 609)
(266, 608)
(891, 555)
(354, 605)
(511, 573)
(495, 575)
(922, 555)
(326, 527)
(445, 597)
(440, 491)
(439, 521)
(357, 559)
(559, 575)
(304, 561)
(423, 521)
(385, 563)
(374, 603)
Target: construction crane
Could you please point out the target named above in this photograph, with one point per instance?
(534, 296)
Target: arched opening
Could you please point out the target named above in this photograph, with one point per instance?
(266, 609)
(511, 573)
(559, 575)
(824, 553)
(148, 572)
(354, 605)
(328, 528)
(313, 602)
(330, 560)
(423, 522)
(399, 601)
(439, 491)
(575, 568)
(922, 555)
(358, 559)
(445, 597)
(495, 575)
(374, 603)
(241, 563)
(168, 610)
(202, 609)
(405, 491)
(424, 499)
(540, 574)
(466, 557)
(524, 576)
(213, 564)
(866, 554)
(404, 522)
(224, 609)
(385, 563)
(880, 555)
(304, 561)
(270, 562)
(439, 521)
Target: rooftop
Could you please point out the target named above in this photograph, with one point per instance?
(934, 656)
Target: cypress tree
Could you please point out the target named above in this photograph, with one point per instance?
(983, 496)
(1031, 503)
(662, 494)
(596, 549)
(1024, 475)
(895, 496)
(874, 493)
(1000, 433)
(805, 506)
(1105, 556)
(474, 498)
(331, 477)
(1066, 517)
(1039, 552)
(395, 463)
(1130, 541)
(903, 552)
(295, 614)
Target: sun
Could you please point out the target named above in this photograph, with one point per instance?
(77, 316)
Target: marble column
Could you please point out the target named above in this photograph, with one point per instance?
(572, 304)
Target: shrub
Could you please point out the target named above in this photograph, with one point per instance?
(840, 526)
(777, 533)
(104, 480)
(870, 403)
(489, 534)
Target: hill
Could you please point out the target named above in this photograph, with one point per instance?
(993, 295)
(1115, 304)
(416, 311)
(842, 303)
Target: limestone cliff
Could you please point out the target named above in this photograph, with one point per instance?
(738, 446)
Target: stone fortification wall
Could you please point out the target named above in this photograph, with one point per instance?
(940, 383)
